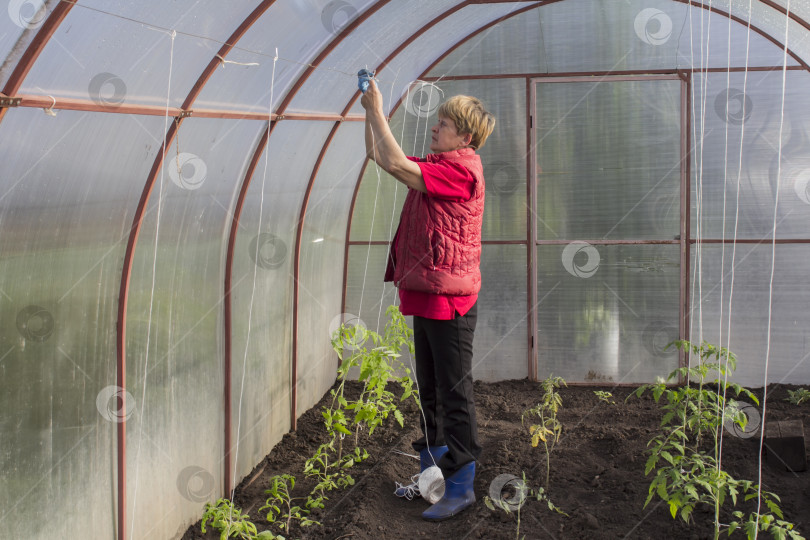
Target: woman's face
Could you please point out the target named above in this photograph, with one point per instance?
(446, 138)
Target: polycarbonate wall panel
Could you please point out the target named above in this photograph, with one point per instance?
(592, 35)
(397, 77)
(503, 155)
(748, 300)
(18, 26)
(380, 198)
(500, 350)
(513, 46)
(367, 297)
(68, 187)
(376, 38)
(608, 159)
(608, 325)
(770, 21)
(756, 118)
(262, 291)
(134, 63)
(321, 268)
(299, 30)
(800, 8)
(174, 328)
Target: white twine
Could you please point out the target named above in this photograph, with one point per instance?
(773, 267)
(173, 34)
(253, 291)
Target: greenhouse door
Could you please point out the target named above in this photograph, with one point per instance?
(609, 169)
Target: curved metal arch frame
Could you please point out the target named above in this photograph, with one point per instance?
(59, 14)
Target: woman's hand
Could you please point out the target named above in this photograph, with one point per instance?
(372, 100)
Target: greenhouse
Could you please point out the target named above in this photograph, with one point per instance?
(191, 218)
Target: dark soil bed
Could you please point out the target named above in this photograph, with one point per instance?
(597, 473)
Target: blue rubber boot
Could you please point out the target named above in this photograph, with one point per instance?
(458, 495)
(427, 457)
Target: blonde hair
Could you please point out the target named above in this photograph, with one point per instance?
(469, 116)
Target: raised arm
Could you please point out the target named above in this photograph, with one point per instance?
(382, 147)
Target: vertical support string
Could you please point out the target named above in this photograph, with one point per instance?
(255, 271)
(773, 268)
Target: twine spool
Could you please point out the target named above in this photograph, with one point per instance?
(431, 484)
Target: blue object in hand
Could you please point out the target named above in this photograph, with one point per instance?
(363, 76)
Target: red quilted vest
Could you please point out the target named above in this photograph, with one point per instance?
(438, 242)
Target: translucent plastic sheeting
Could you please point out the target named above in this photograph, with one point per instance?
(18, 26)
(588, 35)
(299, 30)
(503, 157)
(264, 252)
(367, 297)
(329, 91)
(175, 330)
(513, 46)
(789, 361)
(754, 116)
(800, 8)
(132, 64)
(68, 187)
(397, 77)
(610, 324)
(500, 349)
(608, 159)
(322, 256)
(771, 22)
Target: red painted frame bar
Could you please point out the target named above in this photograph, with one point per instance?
(602, 73)
(228, 315)
(749, 241)
(297, 276)
(686, 212)
(531, 228)
(35, 48)
(123, 296)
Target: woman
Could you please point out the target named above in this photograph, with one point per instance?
(434, 262)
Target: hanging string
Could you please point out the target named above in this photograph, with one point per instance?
(773, 267)
(736, 216)
(152, 290)
(253, 290)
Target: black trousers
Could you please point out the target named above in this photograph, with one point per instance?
(444, 351)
